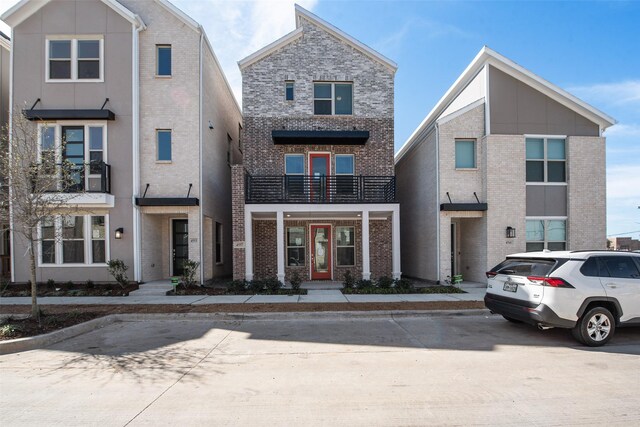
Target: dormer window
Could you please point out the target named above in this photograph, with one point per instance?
(70, 59)
(332, 99)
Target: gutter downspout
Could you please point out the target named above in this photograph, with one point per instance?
(200, 185)
(437, 128)
(12, 252)
(135, 158)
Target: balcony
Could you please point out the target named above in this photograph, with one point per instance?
(85, 184)
(320, 189)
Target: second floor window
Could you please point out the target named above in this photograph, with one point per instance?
(74, 60)
(546, 160)
(332, 99)
(163, 66)
(164, 145)
(288, 89)
(465, 154)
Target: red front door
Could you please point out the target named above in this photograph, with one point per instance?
(320, 252)
(319, 169)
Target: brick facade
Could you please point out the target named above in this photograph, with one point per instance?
(316, 56)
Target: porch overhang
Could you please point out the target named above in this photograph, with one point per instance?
(464, 207)
(320, 137)
(81, 114)
(167, 201)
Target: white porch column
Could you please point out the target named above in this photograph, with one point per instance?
(366, 268)
(248, 245)
(280, 244)
(395, 242)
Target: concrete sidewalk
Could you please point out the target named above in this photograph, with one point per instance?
(474, 293)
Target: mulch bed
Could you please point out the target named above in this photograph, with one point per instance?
(68, 290)
(12, 328)
(206, 290)
(437, 289)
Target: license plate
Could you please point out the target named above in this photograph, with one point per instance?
(510, 287)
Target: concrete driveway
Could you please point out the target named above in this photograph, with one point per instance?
(302, 369)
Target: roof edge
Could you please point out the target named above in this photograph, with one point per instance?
(175, 11)
(358, 45)
(487, 56)
(270, 48)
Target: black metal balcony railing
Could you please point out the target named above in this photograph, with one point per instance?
(94, 177)
(320, 189)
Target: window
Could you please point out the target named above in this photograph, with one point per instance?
(48, 241)
(546, 160)
(546, 234)
(294, 173)
(465, 154)
(78, 239)
(229, 148)
(218, 243)
(295, 246)
(332, 98)
(288, 90)
(620, 266)
(344, 171)
(164, 145)
(72, 240)
(84, 147)
(74, 59)
(240, 137)
(346, 249)
(98, 236)
(163, 61)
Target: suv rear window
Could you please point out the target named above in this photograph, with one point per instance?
(525, 267)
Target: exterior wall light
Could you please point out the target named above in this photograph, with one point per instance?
(119, 232)
(511, 232)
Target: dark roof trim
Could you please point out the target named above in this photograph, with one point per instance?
(320, 137)
(167, 201)
(42, 115)
(463, 207)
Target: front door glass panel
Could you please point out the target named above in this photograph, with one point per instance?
(321, 250)
(180, 245)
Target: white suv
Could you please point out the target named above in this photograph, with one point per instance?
(591, 292)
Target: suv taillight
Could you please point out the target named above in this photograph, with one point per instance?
(554, 282)
(491, 274)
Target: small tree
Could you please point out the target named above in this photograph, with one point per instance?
(118, 270)
(189, 270)
(38, 179)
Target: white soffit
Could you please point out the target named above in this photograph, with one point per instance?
(493, 58)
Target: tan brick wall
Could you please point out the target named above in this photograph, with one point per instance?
(586, 172)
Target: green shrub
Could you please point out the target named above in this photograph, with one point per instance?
(118, 270)
(256, 286)
(237, 286)
(90, 284)
(364, 284)
(403, 285)
(69, 285)
(51, 284)
(384, 282)
(295, 281)
(273, 284)
(349, 281)
(9, 330)
(189, 269)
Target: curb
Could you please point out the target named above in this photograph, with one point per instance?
(40, 341)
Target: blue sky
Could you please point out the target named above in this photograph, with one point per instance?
(589, 48)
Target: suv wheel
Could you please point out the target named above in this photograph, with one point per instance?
(595, 327)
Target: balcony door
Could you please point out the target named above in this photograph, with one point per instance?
(73, 137)
(321, 252)
(319, 169)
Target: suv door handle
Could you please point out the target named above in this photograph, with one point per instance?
(612, 285)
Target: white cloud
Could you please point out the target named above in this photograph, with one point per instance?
(623, 130)
(623, 184)
(620, 93)
(237, 28)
